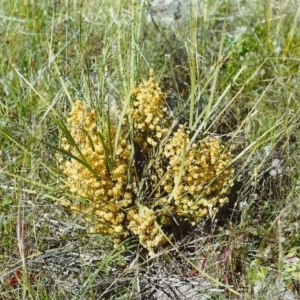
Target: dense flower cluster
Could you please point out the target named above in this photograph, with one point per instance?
(205, 179)
(148, 112)
(144, 222)
(181, 181)
(98, 174)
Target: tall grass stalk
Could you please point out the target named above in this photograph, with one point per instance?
(193, 61)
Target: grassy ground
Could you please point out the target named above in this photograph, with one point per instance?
(229, 68)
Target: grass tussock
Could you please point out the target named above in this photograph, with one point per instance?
(116, 184)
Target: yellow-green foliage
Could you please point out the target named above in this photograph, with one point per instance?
(116, 205)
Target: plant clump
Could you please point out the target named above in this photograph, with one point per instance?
(180, 180)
